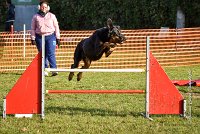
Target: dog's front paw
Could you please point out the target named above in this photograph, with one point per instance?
(112, 45)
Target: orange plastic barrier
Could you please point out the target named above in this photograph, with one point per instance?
(171, 47)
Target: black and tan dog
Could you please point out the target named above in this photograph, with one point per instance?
(102, 41)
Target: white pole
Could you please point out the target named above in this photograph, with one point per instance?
(93, 70)
(43, 77)
(147, 74)
(24, 41)
(190, 95)
(4, 108)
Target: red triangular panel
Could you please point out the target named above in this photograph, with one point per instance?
(25, 96)
(164, 97)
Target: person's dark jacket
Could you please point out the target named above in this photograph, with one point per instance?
(11, 13)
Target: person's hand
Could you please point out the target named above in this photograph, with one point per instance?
(33, 42)
(58, 42)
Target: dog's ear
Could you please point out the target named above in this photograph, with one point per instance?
(109, 23)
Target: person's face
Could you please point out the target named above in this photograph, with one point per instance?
(44, 8)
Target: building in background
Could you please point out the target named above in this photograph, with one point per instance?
(24, 11)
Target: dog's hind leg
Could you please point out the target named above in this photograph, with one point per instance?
(71, 74)
(87, 64)
(75, 65)
(77, 58)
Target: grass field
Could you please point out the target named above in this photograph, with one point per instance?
(105, 113)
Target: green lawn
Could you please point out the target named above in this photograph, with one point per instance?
(105, 113)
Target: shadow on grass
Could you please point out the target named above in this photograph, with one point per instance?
(90, 111)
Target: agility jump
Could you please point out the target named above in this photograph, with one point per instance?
(27, 95)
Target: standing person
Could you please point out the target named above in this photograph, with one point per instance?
(45, 23)
(10, 18)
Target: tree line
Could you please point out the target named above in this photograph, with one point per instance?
(129, 14)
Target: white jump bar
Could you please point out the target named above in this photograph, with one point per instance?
(93, 70)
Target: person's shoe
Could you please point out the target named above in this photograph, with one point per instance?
(54, 73)
(46, 73)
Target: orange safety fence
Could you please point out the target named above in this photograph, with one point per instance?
(171, 47)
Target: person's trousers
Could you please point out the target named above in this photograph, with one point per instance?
(50, 47)
(8, 26)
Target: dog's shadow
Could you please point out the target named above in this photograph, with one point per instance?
(90, 111)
